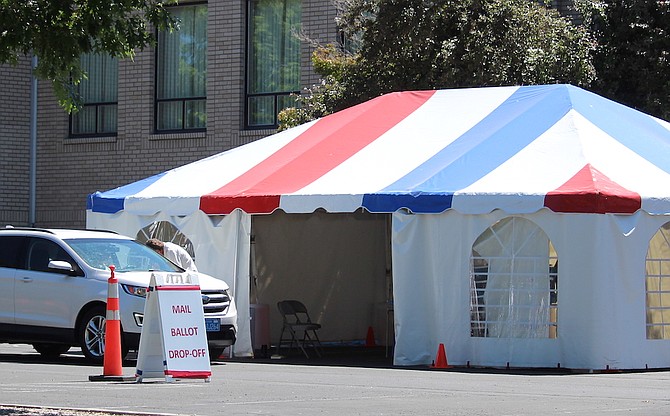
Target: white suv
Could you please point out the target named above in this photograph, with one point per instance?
(53, 291)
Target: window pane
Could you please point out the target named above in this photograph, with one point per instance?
(261, 110)
(182, 55)
(285, 101)
(10, 250)
(273, 65)
(196, 114)
(169, 115)
(274, 58)
(107, 118)
(100, 86)
(83, 121)
(182, 71)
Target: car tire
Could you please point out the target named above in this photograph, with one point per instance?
(92, 335)
(51, 350)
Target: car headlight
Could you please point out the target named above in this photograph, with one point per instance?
(140, 291)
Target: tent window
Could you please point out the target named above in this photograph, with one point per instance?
(513, 282)
(166, 231)
(657, 279)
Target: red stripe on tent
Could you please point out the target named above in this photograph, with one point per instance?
(225, 204)
(589, 191)
(316, 151)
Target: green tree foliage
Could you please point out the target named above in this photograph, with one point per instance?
(633, 57)
(335, 67)
(58, 32)
(423, 44)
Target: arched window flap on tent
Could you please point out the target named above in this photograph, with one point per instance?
(513, 284)
(166, 231)
(657, 284)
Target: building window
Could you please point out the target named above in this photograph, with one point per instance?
(658, 284)
(513, 282)
(98, 91)
(273, 60)
(181, 72)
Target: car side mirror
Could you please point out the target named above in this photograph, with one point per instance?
(63, 266)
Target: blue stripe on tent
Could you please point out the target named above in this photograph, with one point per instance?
(111, 202)
(419, 202)
(625, 125)
(517, 122)
(97, 203)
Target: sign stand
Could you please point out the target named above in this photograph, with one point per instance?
(173, 343)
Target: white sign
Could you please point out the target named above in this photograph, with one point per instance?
(173, 343)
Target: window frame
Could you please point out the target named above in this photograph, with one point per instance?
(249, 96)
(184, 101)
(96, 105)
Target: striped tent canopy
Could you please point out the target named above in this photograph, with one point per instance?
(518, 149)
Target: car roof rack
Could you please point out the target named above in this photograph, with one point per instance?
(10, 227)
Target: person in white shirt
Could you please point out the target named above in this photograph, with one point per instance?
(174, 253)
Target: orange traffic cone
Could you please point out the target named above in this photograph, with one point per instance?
(370, 339)
(441, 358)
(112, 360)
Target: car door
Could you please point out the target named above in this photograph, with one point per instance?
(44, 297)
(11, 256)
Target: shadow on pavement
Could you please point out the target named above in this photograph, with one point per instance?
(368, 357)
(73, 357)
(333, 356)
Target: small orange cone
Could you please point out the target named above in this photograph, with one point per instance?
(441, 358)
(370, 339)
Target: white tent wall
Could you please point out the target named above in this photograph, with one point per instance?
(334, 263)
(222, 249)
(601, 292)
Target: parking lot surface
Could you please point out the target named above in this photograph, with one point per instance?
(330, 386)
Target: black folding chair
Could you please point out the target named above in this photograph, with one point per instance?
(298, 324)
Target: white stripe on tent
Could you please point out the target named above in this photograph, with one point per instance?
(441, 120)
(552, 160)
(542, 166)
(330, 202)
(626, 168)
(183, 186)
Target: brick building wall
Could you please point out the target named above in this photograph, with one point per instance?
(69, 169)
(15, 139)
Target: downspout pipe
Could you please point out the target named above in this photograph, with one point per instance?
(33, 145)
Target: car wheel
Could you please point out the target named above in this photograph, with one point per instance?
(51, 350)
(92, 335)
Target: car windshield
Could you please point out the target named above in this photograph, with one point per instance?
(125, 255)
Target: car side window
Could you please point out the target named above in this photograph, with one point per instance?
(11, 250)
(41, 252)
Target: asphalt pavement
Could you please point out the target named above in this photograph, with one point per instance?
(363, 383)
